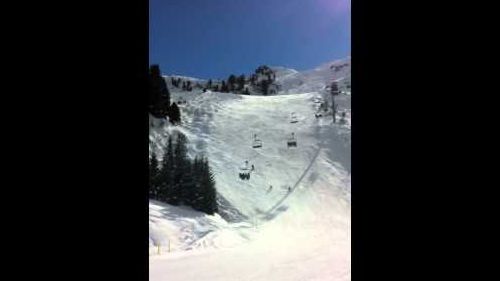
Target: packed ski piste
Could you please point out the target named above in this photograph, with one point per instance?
(283, 177)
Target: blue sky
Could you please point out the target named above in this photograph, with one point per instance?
(216, 38)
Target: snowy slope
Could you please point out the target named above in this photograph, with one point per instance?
(265, 235)
(281, 71)
(317, 79)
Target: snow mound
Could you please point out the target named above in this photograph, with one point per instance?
(173, 228)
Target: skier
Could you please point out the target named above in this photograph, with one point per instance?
(253, 168)
(289, 189)
(270, 188)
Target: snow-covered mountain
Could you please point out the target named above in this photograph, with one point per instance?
(297, 230)
(317, 79)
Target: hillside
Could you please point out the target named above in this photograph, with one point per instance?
(297, 230)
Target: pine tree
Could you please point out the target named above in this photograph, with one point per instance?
(179, 165)
(241, 82)
(166, 174)
(265, 86)
(253, 79)
(196, 191)
(231, 81)
(223, 87)
(154, 173)
(175, 114)
(159, 95)
(165, 94)
(190, 187)
(208, 193)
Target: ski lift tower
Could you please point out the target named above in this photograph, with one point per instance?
(334, 90)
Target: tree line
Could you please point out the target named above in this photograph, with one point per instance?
(159, 97)
(178, 180)
(260, 81)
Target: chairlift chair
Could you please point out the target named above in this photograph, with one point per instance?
(292, 141)
(257, 143)
(245, 172)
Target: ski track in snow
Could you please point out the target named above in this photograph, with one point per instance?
(279, 235)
